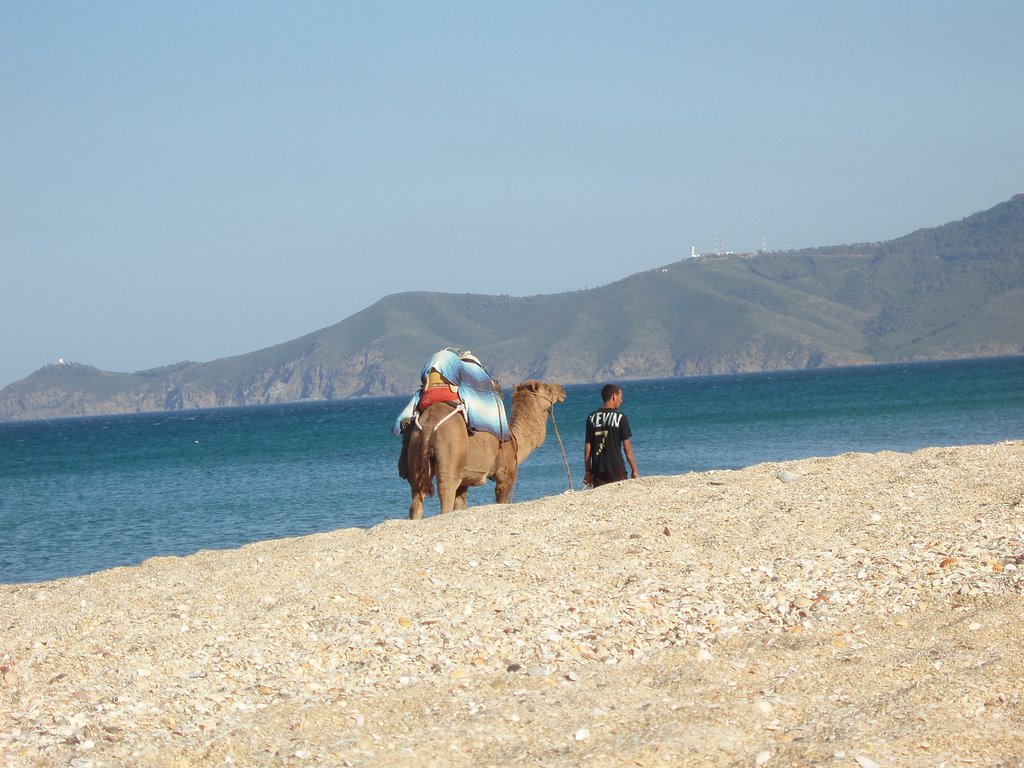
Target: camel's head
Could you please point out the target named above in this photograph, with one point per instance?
(553, 393)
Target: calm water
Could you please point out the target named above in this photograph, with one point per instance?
(80, 495)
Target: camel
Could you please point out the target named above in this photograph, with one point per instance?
(446, 450)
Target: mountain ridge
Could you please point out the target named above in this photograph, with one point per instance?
(947, 292)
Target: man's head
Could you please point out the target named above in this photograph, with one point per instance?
(612, 395)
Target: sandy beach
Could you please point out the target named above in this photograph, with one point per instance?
(860, 610)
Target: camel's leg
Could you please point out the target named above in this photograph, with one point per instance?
(461, 497)
(416, 508)
(505, 477)
(504, 484)
(503, 492)
(447, 493)
(450, 448)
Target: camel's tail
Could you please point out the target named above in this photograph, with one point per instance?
(422, 470)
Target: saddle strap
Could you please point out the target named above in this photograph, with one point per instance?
(460, 408)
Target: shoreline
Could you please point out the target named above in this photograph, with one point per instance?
(849, 610)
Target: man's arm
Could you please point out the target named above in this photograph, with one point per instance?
(627, 446)
(586, 464)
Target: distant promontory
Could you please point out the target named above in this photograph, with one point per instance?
(953, 291)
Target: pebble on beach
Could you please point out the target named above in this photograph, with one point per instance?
(863, 605)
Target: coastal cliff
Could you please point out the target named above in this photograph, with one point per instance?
(950, 292)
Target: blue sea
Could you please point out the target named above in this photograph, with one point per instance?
(80, 495)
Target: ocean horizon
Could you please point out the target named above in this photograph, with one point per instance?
(83, 494)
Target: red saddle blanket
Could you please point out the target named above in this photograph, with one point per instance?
(442, 394)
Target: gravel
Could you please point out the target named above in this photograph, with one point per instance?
(858, 610)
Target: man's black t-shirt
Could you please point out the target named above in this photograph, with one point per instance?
(606, 429)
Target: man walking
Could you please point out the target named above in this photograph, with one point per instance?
(608, 436)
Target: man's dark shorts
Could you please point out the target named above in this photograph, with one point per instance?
(603, 478)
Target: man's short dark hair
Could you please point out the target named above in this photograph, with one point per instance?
(608, 391)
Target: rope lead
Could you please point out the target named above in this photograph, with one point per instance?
(565, 458)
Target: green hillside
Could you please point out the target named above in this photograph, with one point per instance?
(953, 291)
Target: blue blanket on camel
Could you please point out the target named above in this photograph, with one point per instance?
(479, 393)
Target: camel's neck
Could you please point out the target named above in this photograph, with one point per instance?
(529, 425)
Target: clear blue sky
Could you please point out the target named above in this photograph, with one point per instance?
(193, 180)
